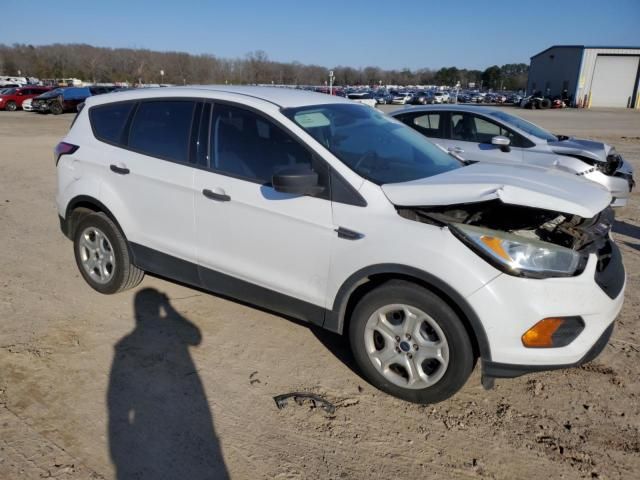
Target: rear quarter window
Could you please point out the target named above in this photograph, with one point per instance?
(109, 121)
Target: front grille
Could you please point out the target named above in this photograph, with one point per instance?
(613, 163)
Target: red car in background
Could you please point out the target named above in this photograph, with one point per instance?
(12, 98)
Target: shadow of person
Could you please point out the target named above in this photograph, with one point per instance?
(160, 425)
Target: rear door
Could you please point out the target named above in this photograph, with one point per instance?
(469, 135)
(149, 177)
(263, 246)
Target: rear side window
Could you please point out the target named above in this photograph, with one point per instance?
(109, 121)
(162, 129)
(427, 124)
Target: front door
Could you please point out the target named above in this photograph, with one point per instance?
(470, 136)
(265, 247)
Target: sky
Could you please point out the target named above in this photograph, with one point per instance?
(389, 34)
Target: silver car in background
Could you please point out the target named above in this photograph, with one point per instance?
(481, 134)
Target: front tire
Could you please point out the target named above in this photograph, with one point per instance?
(410, 343)
(102, 255)
(56, 108)
(11, 106)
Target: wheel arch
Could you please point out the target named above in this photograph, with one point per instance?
(368, 278)
(76, 209)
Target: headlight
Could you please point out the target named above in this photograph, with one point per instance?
(518, 255)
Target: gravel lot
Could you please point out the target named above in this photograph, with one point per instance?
(195, 380)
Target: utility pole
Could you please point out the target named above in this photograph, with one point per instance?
(331, 82)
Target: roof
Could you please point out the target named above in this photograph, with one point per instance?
(278, 96)
(450, 107)
(583, 47)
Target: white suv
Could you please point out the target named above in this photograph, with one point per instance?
(333, 213)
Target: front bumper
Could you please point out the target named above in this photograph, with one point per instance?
(508, 306)
(40, 107)
(505, 370)
(620, 184)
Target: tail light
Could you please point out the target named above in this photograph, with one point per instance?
(63, 148)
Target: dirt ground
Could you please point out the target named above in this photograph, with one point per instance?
(198, 373)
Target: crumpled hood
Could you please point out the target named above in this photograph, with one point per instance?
(528, 186)
(586, 148)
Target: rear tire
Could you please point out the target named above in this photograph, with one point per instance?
(102, 255)
(11, 106)
(410, 343)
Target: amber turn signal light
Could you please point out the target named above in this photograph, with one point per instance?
(541, 334)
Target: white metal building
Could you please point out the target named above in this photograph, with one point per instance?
(592, 76)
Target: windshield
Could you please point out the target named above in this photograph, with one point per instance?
(373, 145)
(9, 91)
(525, 126)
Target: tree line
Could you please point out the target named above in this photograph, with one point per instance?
(101, 65)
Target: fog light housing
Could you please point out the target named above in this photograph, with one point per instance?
(553, 332)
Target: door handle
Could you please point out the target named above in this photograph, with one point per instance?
(119, 170)
(455, 150)
(348, 234)
(219, 195)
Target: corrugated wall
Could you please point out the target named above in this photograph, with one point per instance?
(585, 79)
(554, 70)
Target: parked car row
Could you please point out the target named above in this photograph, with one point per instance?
(384, 96)
(430, 242)
(11, 99)
(48, 99)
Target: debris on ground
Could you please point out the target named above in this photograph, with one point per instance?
(301, 397)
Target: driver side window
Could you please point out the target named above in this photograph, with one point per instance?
(471, 128)
(246, 145)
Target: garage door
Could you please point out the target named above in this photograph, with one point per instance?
(613, 81)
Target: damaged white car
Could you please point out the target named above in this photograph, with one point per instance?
(333, 213)
(482, 134)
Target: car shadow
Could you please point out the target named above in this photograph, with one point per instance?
(160, 424)
(627, 229)
(338, 345)
(635, 246)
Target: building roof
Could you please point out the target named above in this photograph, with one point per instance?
(583, 47)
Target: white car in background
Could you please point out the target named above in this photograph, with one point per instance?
(334, 213)
(26, 105)
(440, 97)
(401, 98)
(483, 134)
(366, 98)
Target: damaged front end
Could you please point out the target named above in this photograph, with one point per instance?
(524, 241)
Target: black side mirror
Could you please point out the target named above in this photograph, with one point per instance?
(296, 180)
